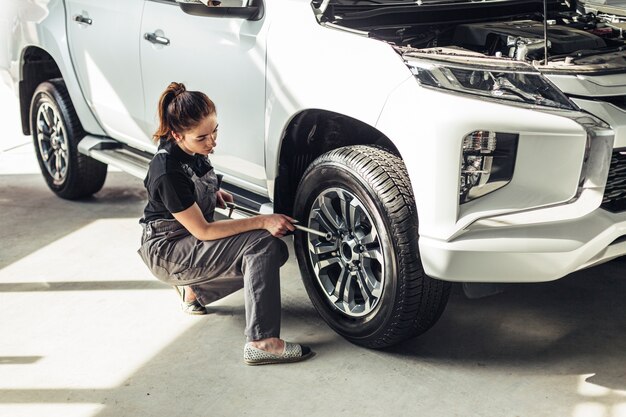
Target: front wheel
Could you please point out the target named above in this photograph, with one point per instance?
(56, 132)
(367, 281)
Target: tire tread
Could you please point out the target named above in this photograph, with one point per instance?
(85, 175)
(420, 300)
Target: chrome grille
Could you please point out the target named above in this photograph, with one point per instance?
(615, 192)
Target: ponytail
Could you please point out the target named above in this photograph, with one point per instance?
(181, 110)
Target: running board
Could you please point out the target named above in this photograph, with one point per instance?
(114, 153)
(248, 199)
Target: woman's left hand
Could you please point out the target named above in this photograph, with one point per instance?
(223, 197)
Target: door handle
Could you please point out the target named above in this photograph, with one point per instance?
(82, 19)
(154, 38)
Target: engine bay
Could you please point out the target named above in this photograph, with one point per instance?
(579, 39)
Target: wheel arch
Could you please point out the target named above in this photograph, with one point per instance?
(37, 66)
(311, 133)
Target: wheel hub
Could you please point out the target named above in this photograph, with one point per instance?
(350, 268)
(350, 251)
(55, 142)
(51, 142)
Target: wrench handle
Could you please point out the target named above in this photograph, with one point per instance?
(312, 231)
(327, 236)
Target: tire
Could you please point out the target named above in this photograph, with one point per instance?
(367, 282)
(56, 132)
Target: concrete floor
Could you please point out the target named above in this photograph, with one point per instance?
(86, 331)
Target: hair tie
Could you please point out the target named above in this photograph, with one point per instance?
(179, 89)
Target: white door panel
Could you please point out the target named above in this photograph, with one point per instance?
(222, 57)
(105, 53)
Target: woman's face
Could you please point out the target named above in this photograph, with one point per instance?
(201, 139)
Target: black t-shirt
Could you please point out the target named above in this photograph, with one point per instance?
(169, 185)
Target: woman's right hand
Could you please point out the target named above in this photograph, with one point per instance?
(278, 224)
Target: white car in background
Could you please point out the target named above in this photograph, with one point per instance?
(437, 141)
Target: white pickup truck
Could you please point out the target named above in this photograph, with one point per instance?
(435, 140)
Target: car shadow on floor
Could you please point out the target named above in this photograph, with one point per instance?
(575, 325)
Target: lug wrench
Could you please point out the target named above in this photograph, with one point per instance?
(231, 206)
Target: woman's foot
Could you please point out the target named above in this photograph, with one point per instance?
(188, 295)
(274, 350)
(273, 345)
(189, 303)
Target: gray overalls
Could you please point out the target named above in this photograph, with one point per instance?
(217, 268)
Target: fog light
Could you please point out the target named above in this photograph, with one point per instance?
(487, 163)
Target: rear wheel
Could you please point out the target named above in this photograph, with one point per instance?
(56, 132)
(367, 281)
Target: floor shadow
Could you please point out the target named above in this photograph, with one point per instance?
(570, 327)
(82, 286)
(575, 325)
(27, 228)
(18, 360)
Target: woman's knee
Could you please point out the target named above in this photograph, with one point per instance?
(281, 250)
(275, 247)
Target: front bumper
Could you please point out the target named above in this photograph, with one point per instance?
(547, 223)
(529, 253)
(540, 244)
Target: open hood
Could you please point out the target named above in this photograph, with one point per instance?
(581, 38)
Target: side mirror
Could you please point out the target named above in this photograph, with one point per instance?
(224, 8)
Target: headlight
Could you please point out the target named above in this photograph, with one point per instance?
(487, 163)
(494, 82)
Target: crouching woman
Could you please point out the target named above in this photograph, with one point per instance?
(205, 259)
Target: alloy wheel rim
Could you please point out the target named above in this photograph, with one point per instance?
(52, 142)
(350, 268)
